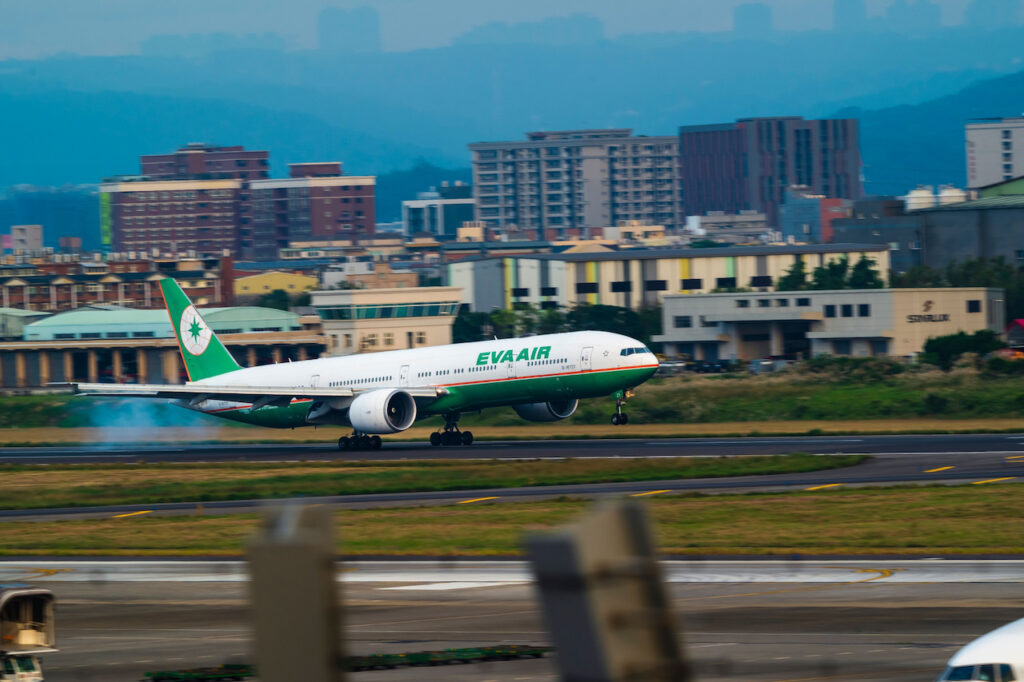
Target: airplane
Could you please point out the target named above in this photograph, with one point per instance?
(996, 657)
(541, 377)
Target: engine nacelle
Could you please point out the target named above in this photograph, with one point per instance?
(547, 412)
(382, 411)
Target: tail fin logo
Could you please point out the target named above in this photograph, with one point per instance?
(194, 333)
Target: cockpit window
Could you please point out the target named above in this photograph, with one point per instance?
(981, 673)
(631, 351)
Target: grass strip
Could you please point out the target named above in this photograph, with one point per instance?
(36, 487)
(912, 521)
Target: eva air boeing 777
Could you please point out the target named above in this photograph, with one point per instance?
(541, 377)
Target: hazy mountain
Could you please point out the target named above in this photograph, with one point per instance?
(905, 146)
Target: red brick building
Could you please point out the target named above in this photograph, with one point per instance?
(317, 202)
(198, 161)
(749, 164)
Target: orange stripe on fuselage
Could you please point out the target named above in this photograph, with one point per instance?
(471, 383)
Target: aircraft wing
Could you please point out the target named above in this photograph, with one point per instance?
(196, 393)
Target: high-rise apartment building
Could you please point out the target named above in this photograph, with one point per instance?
(995, 151)
(749, 164)
(206, 200)
(557, 183)
(316, 203)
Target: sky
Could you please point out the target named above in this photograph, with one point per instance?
(39, 28)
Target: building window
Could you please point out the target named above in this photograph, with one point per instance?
(586, 287)
(782, 302)
(761, 281)
(726, 282)
(421, 337)
(389, 339)
(549, 291)
(683, 322)
(763, 303)
(847, 310)
(691, 284)
(520, 293)
(755, 337)
(830, 311)
(841, 346)
(879, 347)
(743, 303)
(864, 310)
(656, 285)
(622, 287)
(974, 306)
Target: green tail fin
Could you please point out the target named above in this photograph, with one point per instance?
(204, 355)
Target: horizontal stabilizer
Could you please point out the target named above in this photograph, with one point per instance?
(242, 394)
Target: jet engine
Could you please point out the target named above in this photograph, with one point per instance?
(382, 411)
(547, 412)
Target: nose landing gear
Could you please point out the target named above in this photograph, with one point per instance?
(451, 435)
(620, 418)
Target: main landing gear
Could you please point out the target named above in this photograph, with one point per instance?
(451, 434)
(620, 418)
(359, 441)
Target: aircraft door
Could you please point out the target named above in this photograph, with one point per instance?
(512, 370)
(403, 376)
(314, 380)
(585, 356)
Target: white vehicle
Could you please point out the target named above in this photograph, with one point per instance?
(26, 630)
(995, 657)
(541, 377)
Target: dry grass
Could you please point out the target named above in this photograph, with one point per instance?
(184, 436)
(911, 521)
(71, 485)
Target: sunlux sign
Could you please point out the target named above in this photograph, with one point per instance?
(496, 356)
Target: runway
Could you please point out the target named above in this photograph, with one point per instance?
(896, 460)
(534, 449)
(776, 621)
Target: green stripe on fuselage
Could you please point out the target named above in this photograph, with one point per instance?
(494, 393)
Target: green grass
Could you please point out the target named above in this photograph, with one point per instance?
(27, 487)
(914, 521)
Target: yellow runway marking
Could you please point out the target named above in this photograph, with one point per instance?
(994, 480)
(121, 516)
(37, 573)
(932, 471)
(1015, 457)
(477, 499)
(650, 492)
(822, 487)
(881, 574)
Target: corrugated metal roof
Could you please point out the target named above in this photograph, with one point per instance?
(723, 251)
(19, 312)
(128, 316)
(996, 202)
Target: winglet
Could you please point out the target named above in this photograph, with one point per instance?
(203, 353)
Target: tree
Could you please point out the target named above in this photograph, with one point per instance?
(831, 275)
(278, 298)
(919, 276)
(944, 350)
(864, 275)
(505, 322)
(552, 321)
(795, 278)
(469, 326)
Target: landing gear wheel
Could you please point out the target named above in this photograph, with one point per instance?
(343, 443)
(364, 442)
(616, 420)
(435, 439)
(375, 442)
(623, 418)
(467, 437)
